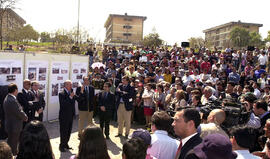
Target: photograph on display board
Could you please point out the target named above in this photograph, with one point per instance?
(79, 77)
(32, 74)
(55, 88)
(16, 70)
(42, 86)
(75, 84)
(4, 70)
(64, 71)
(55, 70)
(42, 77)
(61, 86)
(11, 78)
(42, 70)
(60, 78)
(83, 70)
(75, 71)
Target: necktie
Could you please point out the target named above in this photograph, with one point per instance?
(178, 150)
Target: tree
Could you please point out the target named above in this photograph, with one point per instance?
(267, 39)
(196, 42)
(45, 37)
(151, 40)
(27, 33)
(240, 37)
(255, 39)
(4, 6)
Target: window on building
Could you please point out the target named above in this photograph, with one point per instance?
(127, 27)
(127, 34)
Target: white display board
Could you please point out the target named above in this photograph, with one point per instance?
(11, 71)
(37, 69)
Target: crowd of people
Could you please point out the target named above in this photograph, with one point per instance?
(184, 97)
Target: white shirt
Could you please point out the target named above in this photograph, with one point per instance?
(185, 140)
(257, 93)
(148, 95)
(245, 154)
(163, 146)
(262, 59)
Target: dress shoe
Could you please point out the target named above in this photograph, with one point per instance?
(62, 149)
(69, 148)
(126, 136)
(119, 135)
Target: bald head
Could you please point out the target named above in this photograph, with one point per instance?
(216, 116)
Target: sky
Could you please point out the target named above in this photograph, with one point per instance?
(175, 20)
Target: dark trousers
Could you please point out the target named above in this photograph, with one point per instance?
(65, 131)
(104, 118)
(13, 140)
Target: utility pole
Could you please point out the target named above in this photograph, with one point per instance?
(78, 25)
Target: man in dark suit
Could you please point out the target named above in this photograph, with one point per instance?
(3, 94)
(125, 94)
(14, 117)
(185, 125)
(66, 114)
(39, 102)
(106, 103)
(85, 97)
(26, 99)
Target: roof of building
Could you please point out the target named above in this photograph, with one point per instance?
(232, 23)
(15, 15)
(125, 15)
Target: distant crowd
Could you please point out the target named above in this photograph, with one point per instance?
(167, 90)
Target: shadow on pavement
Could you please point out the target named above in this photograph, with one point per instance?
(115, 150)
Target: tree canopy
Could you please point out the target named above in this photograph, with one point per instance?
(152, 39)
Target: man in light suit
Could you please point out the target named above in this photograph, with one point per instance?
(106, 103)
(14, 117)
(39, 102)
(85, 98)
(66, 114)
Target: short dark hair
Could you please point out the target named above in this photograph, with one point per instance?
(12, 87)
(5, 151)
(108, 84)
(245, 136)
(192, 114)
(134, 148)
(161, 120)
(35, 142)
(261, 104)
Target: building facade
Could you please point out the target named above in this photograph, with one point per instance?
(124, 29)
(219, 36)
(10, 20)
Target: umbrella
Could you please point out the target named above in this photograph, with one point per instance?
(98, 65)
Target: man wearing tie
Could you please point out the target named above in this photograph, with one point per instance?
(106, 104)
(39, 102)
(125, 94)
(185, 125)
(26, 99)
(14, 117)
(85, 97)
(66, 114)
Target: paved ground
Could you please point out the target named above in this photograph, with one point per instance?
(114, 144)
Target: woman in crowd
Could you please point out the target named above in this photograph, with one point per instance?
(5, 151)
(148, 96)
(179, 100)
(159, 98)
(92, 145)
(35, 142)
